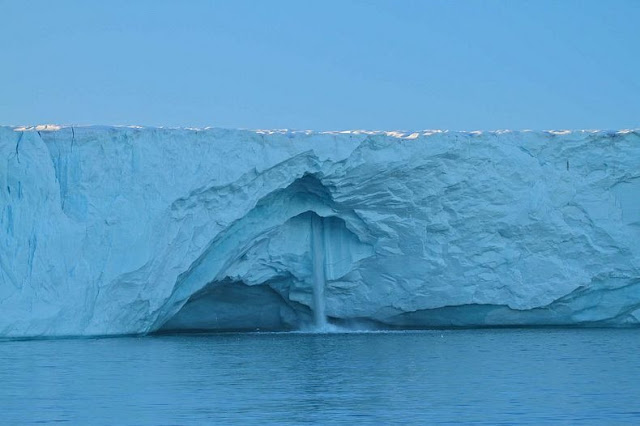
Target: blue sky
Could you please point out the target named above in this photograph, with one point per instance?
(325, 65)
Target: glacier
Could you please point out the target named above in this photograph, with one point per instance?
(129, 230)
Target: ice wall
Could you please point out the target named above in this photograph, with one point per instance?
(108, 230)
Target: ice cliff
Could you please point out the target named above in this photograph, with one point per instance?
(107, 230)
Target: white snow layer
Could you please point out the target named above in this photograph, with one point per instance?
(116, 230)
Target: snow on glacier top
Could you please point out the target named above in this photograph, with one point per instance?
(399, 134)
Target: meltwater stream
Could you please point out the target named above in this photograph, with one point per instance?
(319, 281)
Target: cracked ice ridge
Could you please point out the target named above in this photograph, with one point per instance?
(118, 230)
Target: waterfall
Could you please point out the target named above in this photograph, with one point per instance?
(317, 254)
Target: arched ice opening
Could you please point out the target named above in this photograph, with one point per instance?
(272, 269)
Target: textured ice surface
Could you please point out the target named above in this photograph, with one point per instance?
(128, 230)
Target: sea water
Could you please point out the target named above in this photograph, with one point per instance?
(506, 375)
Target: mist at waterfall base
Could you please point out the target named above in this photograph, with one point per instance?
(491, 375)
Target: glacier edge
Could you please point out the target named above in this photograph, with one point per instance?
(120, 230)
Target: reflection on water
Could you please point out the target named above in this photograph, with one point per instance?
(531, 375)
